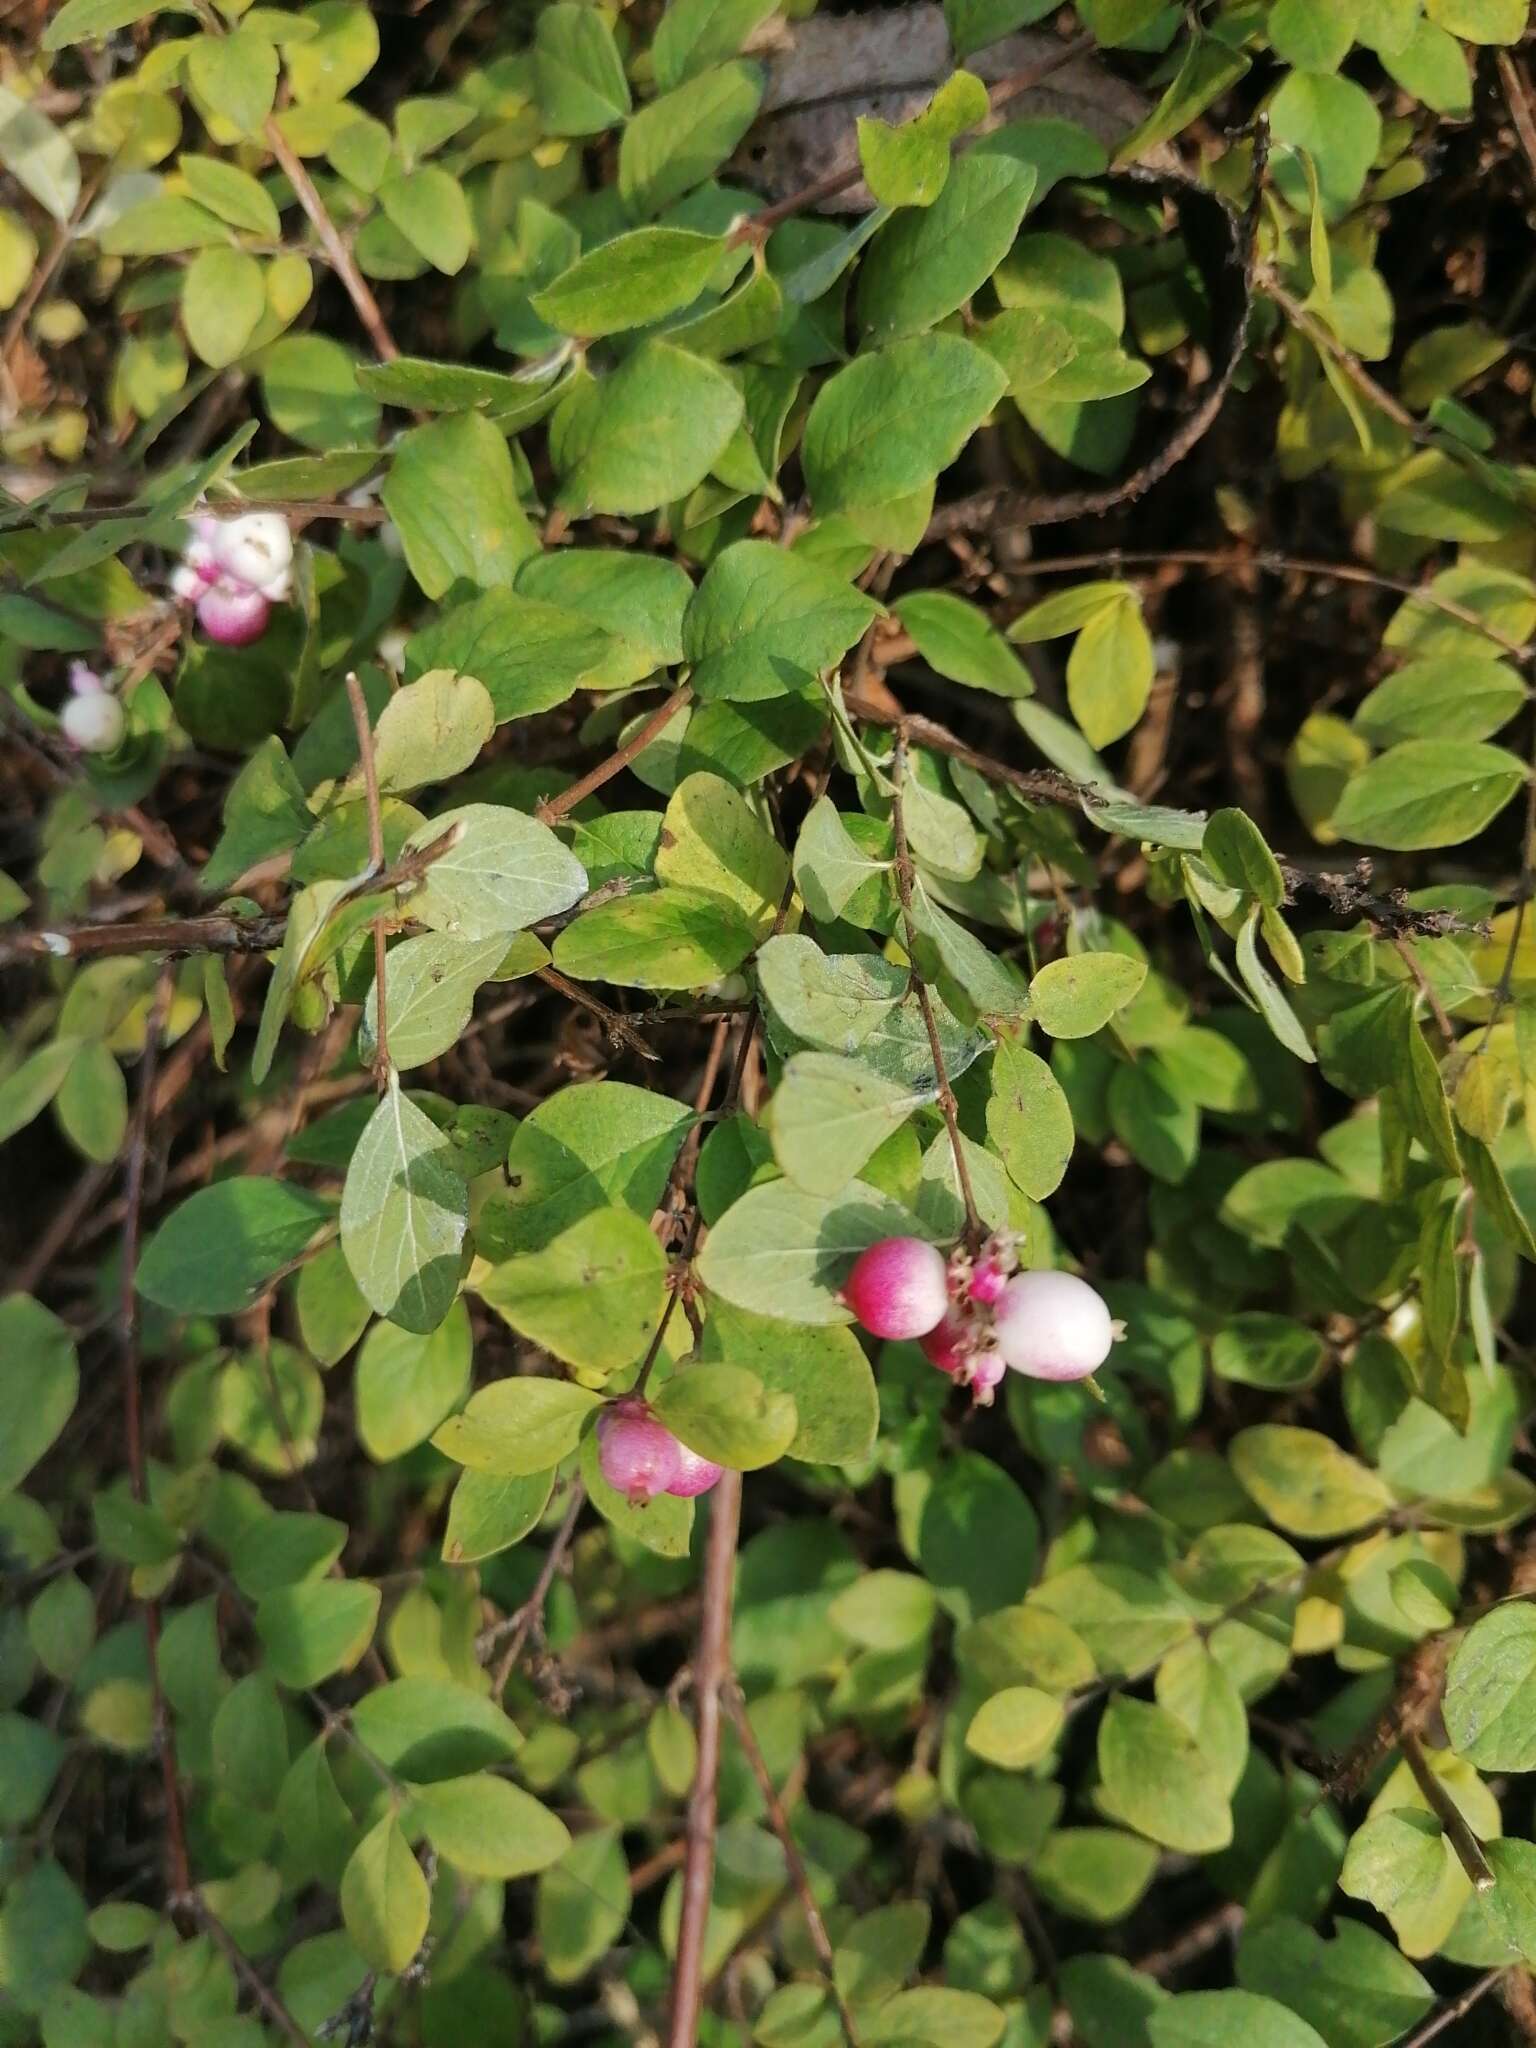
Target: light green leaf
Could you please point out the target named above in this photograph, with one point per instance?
(265, 813)
(223, 300)
(765, 621)
(1428, 793)
(589, 1145)
(824, 1371)
(431, 730)
(487, 1514)
(38, 156)
(87, 21)
(29, 1088)
(426, 1729)
(452, 493)
(1215, 2019)
(592, 1297)
(384, 1899)
(646, 434)
(406, 1383)
(1335, 121)
(506, 872)
(631, 281)
(723, 1412)
(831, 1114)
(693, 34)
(431, 991)
(489, 1828)
(1076, 996)
(1015, 1727)
(885, 1610)
(1490, 1692)
(680, 138)
(518, 1426)
(884, 426)
(38, 1388)
(713, 840)
(926, 261)
(1305, 1483)
(234, 195)
(1155, 1777)
(783, 1253)
(404, 1212)
(315, 1629)
(92, 1103)
(672, 938)
(528, 653)
(583, 1901)
(577, 70)
(430, 209)
(1110, 671)
(1448, 697)
(310, 386)
(1357, 1990)
(933, 2018)
(958, 640)
(832, 868)
(236, 75)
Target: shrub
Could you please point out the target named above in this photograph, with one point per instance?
(639, 660)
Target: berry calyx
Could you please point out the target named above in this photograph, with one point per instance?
(231, 614)
(995, 1266)
(961, 1346)
(636, 1455)
(1053, 1326)
(899, 1288)
(695, 1475)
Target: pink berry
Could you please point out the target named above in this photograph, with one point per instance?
(985, 1373)
(695, 1475)
(1053, 1326)
(232, 615)
(945, 1345)
(960, 1347)
(993, 1270)
(898, 1288)
(636, 1456)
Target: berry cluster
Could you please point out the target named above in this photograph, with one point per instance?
(234, 571)
(976, 1318)
(93, 718)
(640, 1458)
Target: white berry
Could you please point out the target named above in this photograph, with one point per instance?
(1053, 1326)
(256, 549)
(94, 722)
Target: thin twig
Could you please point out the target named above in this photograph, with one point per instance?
(974, 1227)
(1517, 96)
(1458, 1831)
(179, 1869)
(552, 809)
(531, 1614)
(364, 725)
(268, 2000)
(1426, 989)
(1328, 344)
(1456, 2009)
(799, 1877)
(711, 1671)
(617, 1026)
(341, 257)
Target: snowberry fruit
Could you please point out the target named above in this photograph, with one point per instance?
(94, 722)
(231, 614)
(984, 1374)
(959, 1347)
(695, 1475)
(256, 549)
(1053, 1326)
(636, 1455)
(945, 1344)
(898, 1288)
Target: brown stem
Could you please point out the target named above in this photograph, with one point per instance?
(249, 1975)
(975, 1229)
(617, 1026)
(1036, 785)
(531, 1613)
(799, 1877)
(341, 258)
(1326, 343)
(178, 1867)
(1458, 1832)
(1426, 989)
(1517, 95)
(554, 808)
(171, 937)
(759, 225)
(1455, 2009)
(711, 1671)
(364, 725)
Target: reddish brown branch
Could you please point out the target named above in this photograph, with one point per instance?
(711, 1672)
(531, 1614)
(341, 258)
(557, 807)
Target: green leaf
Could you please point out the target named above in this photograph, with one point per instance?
(884, 426)
(932, 2018)
(672, 938)
(29, 1087)
(430, 209)
(216, 1253)
(1215, 2019)
(1029, 1121)
(236, 75)
(506, 872)
(406, 1383)
(631, 281)
(783, 1253)
(310, 386)
(1512, 1901)
(1428, 793)
(958, 640)
(1015, 1727)
(265, 813)
(725, 1413)
(487, 1514)
(693, 34)
(404, 1212)
(38, 156)
(313, 1630)
(324, 67)
(1396, 1862)
(488, 1828)
(1076, 996)
(1490, 1704)
(908, 165)
(1110, 671)
(582, 1905)
(425, 1729)
(250, 1742)
(92, 1103)
(831, 1114)
(972, 24)
(1444, 697)
(578, 73)
(593, 1296)
(927, 261)
(1256, 1349)
(823, 1371)
(834, 873)
(766, 620)
(431, 730)
(1357, 1990)
(517, 1426)
(1335, 121)
(431, 992)
(1305, 1483)
(589, 1145)
(234, 195)
(223, 299)
(384, 1898)
(86, 21)
(1265, 990)
(529, 654)
(713, 840)
(284, 1548)
(1236, 852)
(938, 1514)
(1155, 1777)
(1480, 21)
(646, 434)
(452, 493)
(38, 1388)
(680, 138)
